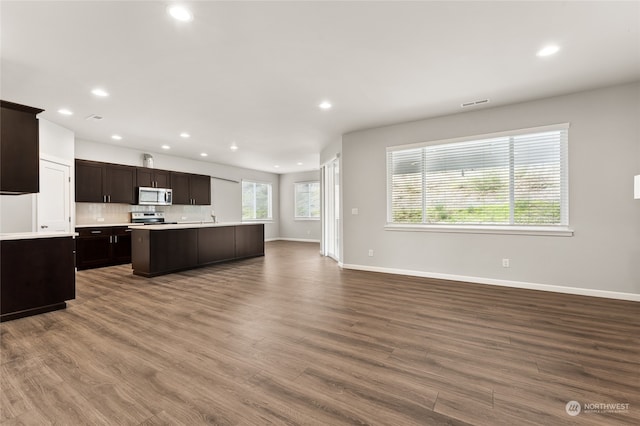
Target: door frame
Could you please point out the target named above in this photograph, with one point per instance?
(330, 210)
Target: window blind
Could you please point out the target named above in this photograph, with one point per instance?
(513, 178)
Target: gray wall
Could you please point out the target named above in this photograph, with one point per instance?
(290, 228)
(604, 155)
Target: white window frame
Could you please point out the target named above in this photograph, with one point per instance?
(295, 201)
(270, 201)
(553, 230)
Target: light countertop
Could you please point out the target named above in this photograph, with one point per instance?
(191, 225)
(35, 235)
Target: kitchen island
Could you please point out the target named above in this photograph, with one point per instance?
(163, 249)
(37, 273)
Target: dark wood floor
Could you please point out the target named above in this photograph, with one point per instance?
(292, 339)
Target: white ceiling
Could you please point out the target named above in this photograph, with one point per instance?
(254, 73)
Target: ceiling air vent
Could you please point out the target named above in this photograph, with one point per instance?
(474, 103)
(93, 117)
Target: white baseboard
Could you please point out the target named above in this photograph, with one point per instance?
(299, 240)
(504, 283)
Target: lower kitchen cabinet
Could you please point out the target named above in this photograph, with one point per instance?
(103, 246)
(37, 276)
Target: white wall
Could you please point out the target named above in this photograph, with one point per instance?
(226, 196)
(290, 228)
(17, 213)
(604, 155)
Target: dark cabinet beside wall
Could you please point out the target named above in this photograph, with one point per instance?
(105, 183)
(19, 149)
(37, 276)
(190, 189)
(103, 246)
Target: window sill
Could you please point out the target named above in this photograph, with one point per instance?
(549, 231)
(257, 221)
(303, 219)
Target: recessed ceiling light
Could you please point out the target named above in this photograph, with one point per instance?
(548, 50)
(166, 147)
(325, 105)
(300, 164)
(233, 147)
(65, 111)
(185, 135)
(100, 92)
(180, 13)
(276, 166)
(203, 154)
(116, 137)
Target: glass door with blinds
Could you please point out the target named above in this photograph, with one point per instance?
(331, 209)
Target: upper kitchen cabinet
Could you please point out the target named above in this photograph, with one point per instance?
(105, 183)
(19, 149)
(191, 189)
(200, 189)
(152, 178)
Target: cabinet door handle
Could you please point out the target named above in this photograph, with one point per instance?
(110, 239)
(104, 198)
(116, 239)
(109, 198)
(43, 226)
(96, 232)
(128, 230)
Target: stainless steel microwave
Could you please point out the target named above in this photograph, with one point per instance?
(154, 196)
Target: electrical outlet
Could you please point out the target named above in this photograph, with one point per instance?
(505, 263)
(354, 210)
(100, 219)
(370, 252)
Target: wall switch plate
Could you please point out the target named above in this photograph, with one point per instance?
(354, 210)
(100, 219)
(370, 252)
(505, 263)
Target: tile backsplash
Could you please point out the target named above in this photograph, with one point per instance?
(101, 213)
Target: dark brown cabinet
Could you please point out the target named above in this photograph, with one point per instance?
(19, 149)
(191, 189)
(37, 276)
(164, 250)
(152, 178)
(249, 240)
(105, 183)
(103, 246)
(216, 244)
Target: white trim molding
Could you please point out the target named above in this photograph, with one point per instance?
(297, 240)
(503, 283)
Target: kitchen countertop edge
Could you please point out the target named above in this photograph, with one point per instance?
(35, 235)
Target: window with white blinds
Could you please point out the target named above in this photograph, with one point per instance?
(256, 201)
(514, 178)
(307, 199)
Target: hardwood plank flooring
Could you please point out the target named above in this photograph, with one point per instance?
(292, 339)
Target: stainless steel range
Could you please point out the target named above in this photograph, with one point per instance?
(149, 218)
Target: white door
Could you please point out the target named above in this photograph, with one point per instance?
(54, 197)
